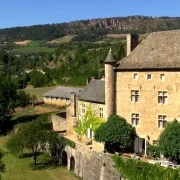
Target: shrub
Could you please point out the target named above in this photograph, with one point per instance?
(117, 134)
(69, 142)
(139, 170)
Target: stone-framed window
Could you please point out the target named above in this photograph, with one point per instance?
(83, 109)
(154, 142)
(162, 97)
(162, 77)
(135, 76)
(134, 96)
(135, 119)
(101, 114)
(149, 77)
(162, 121)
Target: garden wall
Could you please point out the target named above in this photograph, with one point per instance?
(91, 165)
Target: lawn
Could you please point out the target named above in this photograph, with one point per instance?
(64, 39)
(31, 49)
(19, 169)
(38, 91)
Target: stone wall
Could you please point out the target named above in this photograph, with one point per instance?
(59, 122)
(148, 107)
(96, 107)
(56, 101)
(91, 165)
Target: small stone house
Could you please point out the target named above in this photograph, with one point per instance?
(60, 96)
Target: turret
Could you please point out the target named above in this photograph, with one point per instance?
(110, 83)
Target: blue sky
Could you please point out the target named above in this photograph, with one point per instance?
(30, 12)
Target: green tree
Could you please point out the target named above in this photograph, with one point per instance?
(23, 98)
(2, 166)
(38, 79)
(169, 141)
(116, 133)
(8, 97)
(56, 145)
(89, 120)
(35, 136)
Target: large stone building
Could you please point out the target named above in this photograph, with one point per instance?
(144, 87)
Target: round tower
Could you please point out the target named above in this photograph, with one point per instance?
(110, 83)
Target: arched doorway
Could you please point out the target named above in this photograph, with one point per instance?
(72, 163)
(64, 158)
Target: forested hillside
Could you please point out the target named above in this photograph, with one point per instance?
(90, 28)
(69, 64)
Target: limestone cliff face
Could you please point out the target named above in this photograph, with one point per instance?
(145, 23)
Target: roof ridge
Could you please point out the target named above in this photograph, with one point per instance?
(156, 32)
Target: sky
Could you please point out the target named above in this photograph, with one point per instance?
(31, 12)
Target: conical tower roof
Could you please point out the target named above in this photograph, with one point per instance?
(110, 57)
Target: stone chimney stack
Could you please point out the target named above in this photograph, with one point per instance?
(132, 42)
(110, 84)
(72, 107)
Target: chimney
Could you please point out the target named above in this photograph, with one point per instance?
(132, 42)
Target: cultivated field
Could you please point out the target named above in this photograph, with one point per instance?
(38, 91)
(22, 42)
(31, 49)
(64, 39)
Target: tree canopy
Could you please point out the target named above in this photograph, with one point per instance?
(7, 96)
(116, 133)
(169, 141)
(35, 136)
(90, 119)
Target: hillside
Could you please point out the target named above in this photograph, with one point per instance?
(139, 24)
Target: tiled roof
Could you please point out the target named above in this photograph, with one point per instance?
(110, 57)
(160, 50)
(93, 92)
(62, 92)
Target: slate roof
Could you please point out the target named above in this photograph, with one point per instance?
(110, 57)
(160, 50)
(62, 92)
(93, 92)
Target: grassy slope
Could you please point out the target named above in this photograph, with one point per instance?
(38, 91)
(18, 169)
(64, 39)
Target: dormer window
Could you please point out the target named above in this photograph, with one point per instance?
(136, 76)
(149, 76)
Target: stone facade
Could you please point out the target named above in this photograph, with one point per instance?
(59, 122)
(95, 106)
(56, 101)
(148, 107)
(91, 165)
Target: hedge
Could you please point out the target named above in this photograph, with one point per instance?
(138, 170)
(69, 142)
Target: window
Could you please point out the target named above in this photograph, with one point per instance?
(149, 76)
(162, 76)
(101, 112)
(154, 143)
(83, 109)
(162, 97)
(134, 96)
(162, 121)
(136, 76)
(135, 119)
